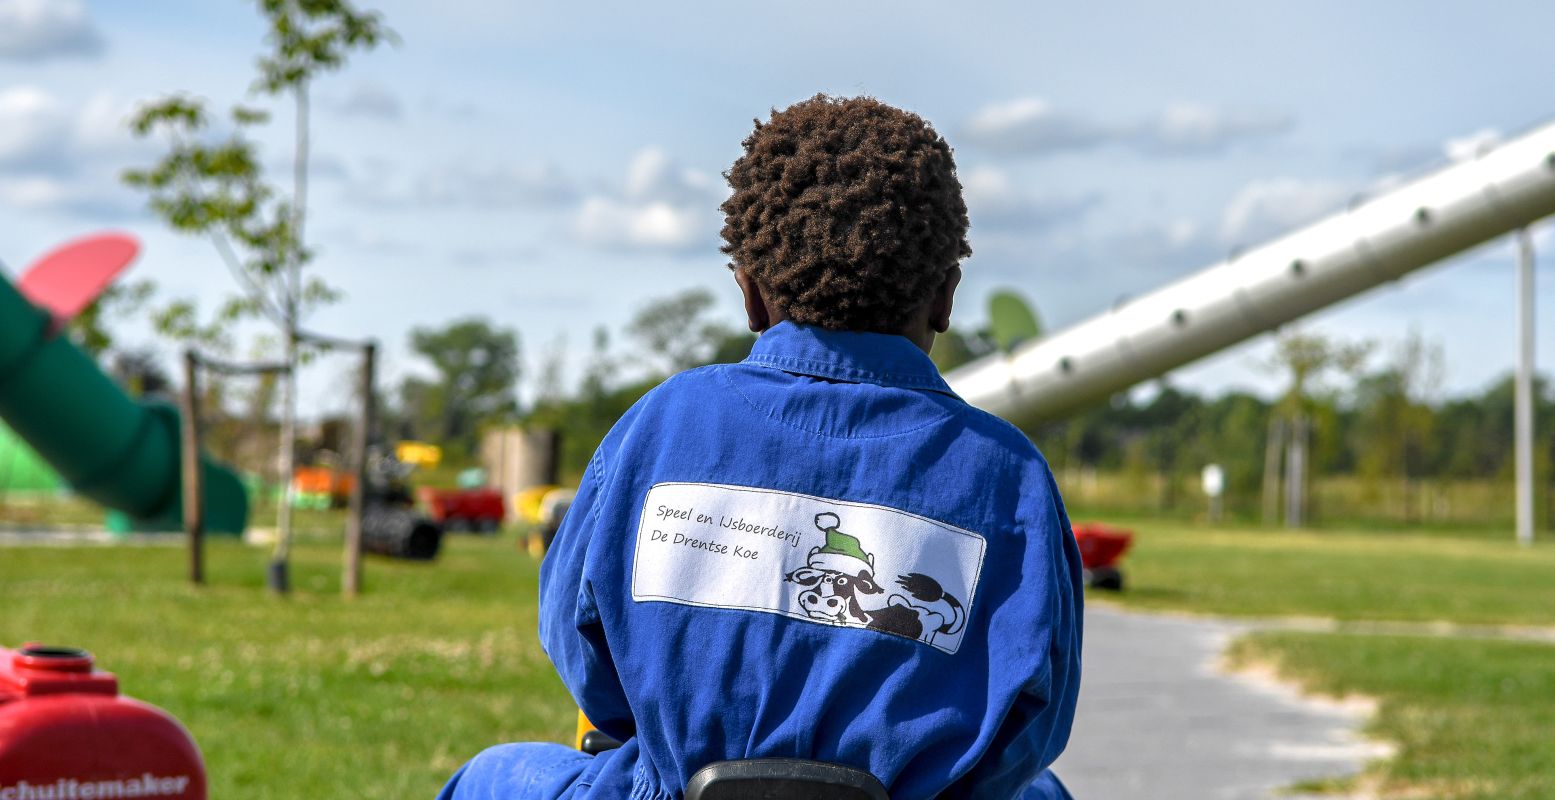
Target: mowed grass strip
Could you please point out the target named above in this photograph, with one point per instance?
(1471, 719)
(1342, 574)
(310, 695)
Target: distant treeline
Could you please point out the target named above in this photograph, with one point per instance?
(1380, 437)
(1379, 449)
(1374, 452)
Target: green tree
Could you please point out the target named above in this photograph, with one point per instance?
(478, 368)
(672, 329)
(90, 328)
(675, 330)
(954, 348)
(1306, 359)
(1234, 427)
(215, 185)
(1395, 423)
(733, 348)
(140, 373)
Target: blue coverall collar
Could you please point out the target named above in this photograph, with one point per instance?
(849, 356)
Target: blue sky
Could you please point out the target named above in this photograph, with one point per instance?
(552, 166)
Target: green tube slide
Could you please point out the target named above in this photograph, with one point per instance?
(107, 447)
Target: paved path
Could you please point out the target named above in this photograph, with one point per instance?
(81, 536)
(1157, 720)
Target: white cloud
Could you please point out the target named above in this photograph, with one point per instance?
(34, 128)
(1266, 208)
(1100, 268)
(441, 104)
(1470, 146)
(608, 223)
(457, 185)
(661, 206)
(994, 201)
(1186, 128)
(41, 134)
(101, 130)
(371, 100)
(34, 30)
(62, 158)
(1397, 163)
(96, 200)
(500, 256)
(1030, 126)
(30, 193)
(375, 239)
(504, 185)
(653, 175)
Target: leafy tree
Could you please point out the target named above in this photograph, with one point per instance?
(733, 348)
(477, 369)
(1171, 423)
(1306, 359)
(1233, 437)
(140, 373)
(89, 329)
(954, 348)
(675, 330)
(601, 370)
(1395, 421)
(212, 183)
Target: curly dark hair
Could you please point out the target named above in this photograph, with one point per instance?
(847, 212)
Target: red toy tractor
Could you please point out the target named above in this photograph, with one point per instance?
(1101, 547)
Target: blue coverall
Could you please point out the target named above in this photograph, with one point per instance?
(820, 552)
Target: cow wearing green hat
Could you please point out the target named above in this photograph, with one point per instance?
(837, 585)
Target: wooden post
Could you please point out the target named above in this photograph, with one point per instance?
(194, 491)
(351, 577)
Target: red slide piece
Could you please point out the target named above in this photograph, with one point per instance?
(71, 276)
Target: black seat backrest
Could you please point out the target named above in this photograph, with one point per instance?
(782, 779)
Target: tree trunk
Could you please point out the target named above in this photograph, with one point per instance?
(1271, 471)
(292, 307)
(1296, 473)
(351, 577)
(194, 490)
(279, 581)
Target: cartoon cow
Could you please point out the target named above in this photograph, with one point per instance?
(837, 585)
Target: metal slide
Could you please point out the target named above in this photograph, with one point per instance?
(1410, 227)
(110, 449)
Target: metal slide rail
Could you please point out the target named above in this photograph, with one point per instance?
(1380, 240)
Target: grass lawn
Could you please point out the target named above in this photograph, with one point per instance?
(315, 696)
(1343, 574)
(1472, 719)
(311, 695)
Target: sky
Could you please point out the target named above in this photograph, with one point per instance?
(551, 167)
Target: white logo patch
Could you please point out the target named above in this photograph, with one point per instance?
(825, 561)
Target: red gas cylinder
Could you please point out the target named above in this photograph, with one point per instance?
(67, 734)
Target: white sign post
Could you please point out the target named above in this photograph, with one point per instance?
(1214, 479)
